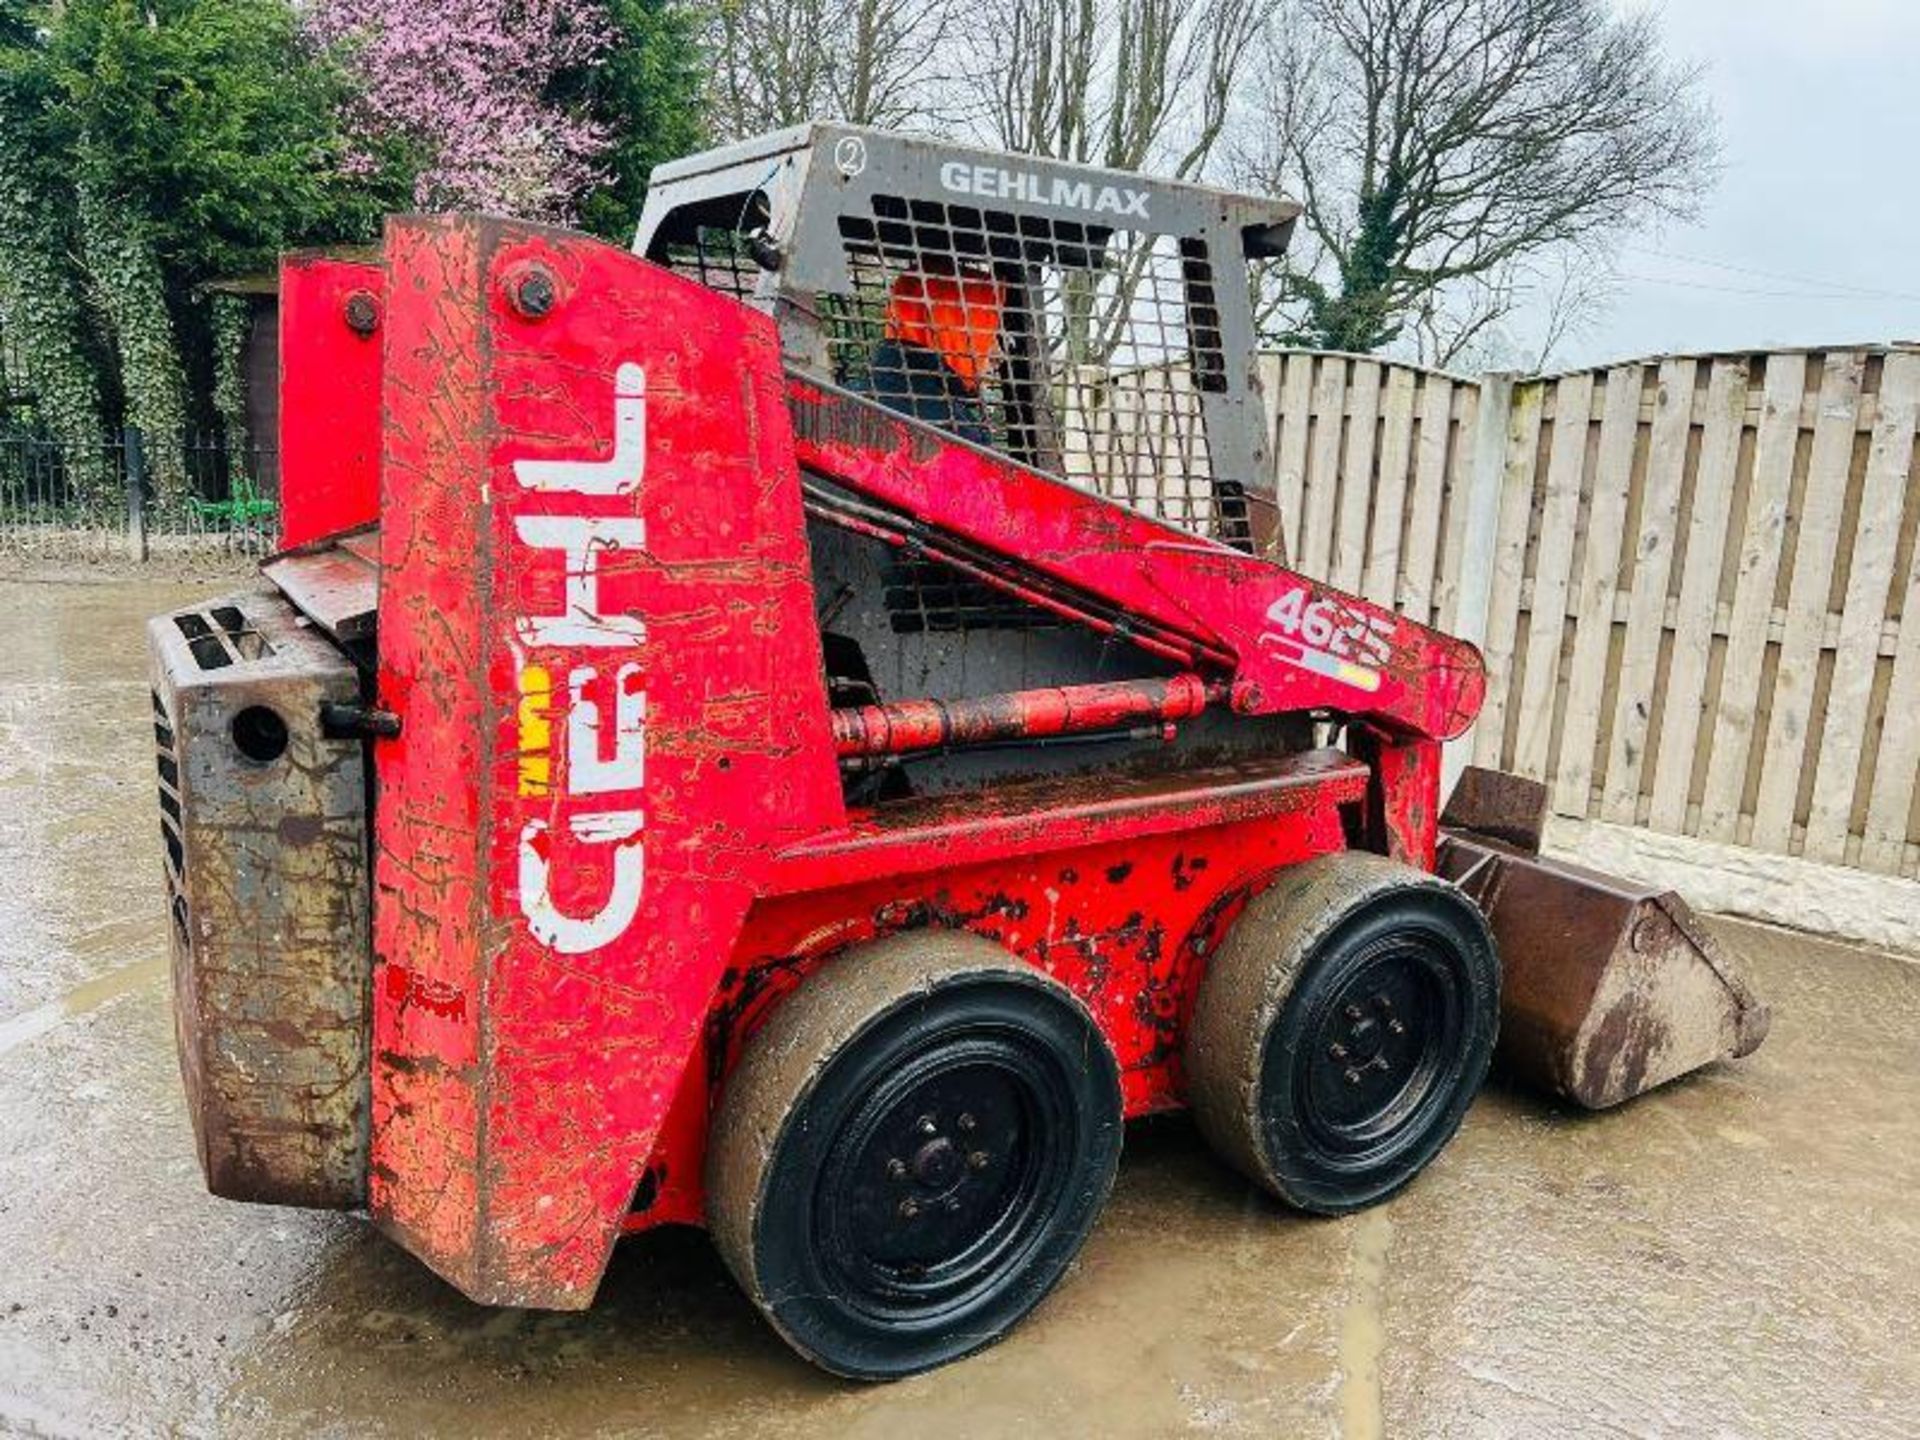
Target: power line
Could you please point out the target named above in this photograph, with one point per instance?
(1767, 294)
(1820, 289)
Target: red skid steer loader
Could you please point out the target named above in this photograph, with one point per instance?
(804, 729)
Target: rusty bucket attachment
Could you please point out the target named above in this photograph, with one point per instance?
(1609, 988)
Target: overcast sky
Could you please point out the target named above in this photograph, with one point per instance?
(1813, 234)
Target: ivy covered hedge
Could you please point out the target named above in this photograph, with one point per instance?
(149, 147)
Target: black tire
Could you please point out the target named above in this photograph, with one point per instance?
(1343, 1030)
(911, 1153)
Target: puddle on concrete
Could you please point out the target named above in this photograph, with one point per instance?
(81, 888)
(1734, 1256)
(31, 1024)
(1363, 1333)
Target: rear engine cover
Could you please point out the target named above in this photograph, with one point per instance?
(264, 820)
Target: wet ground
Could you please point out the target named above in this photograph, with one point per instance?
(1736, 1255)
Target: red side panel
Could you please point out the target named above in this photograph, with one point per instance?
(330, 323)
(1124, 909)
(596, 625)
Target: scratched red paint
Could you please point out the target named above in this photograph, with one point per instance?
(437, 997)
(544, 1105)
(1125, 922)
(1404, 798)
(611, 830)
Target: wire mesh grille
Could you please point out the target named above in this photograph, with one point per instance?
(717, 256)
(925, 597)
(1080, 350)
(713, 241)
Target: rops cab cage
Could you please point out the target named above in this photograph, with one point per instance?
(1092, 324)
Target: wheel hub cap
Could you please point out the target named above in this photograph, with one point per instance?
(944, 1170)
(1377, 1045)
(937, 1164)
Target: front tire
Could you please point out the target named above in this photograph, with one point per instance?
(1343, 1030)
(911, 1153)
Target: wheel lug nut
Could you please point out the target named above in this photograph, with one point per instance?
(1354, 1012)
(966, 1122)
(1383, 1003)
(926, 1126)
(978, 1160)
(897, 1169)
(1337, 1051)
(909, 1209)
(1353, 1077)
(1396, 1027)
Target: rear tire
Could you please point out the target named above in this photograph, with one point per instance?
(911, 1153)
(1343, 1030)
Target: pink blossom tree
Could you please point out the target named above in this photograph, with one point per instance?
(460, 88)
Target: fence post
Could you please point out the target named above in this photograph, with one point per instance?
(136, 473)
(1480, 534)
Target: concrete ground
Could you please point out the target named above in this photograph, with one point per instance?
(1736, 1255)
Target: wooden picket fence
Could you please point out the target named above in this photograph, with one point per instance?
(1694, 577)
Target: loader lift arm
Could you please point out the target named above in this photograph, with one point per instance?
(1177, 595)
(1259, 638)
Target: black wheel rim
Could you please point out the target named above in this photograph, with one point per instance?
(939, 1184)
(1379, 1048)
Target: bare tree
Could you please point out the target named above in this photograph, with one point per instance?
(1447, 150)
(1144, 85)
(871, 62)
(1570, 299)
(1130, 84)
